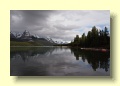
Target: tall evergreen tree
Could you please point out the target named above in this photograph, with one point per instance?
(76, 40)
(83, 39)
(94, 38)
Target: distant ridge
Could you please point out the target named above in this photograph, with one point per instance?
(27, 37)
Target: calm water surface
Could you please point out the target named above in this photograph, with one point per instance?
(58, 61)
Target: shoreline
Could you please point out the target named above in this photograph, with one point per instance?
(91, 49)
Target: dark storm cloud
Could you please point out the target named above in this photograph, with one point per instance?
(24, 19)
(57, 24)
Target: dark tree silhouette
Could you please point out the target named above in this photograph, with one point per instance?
(95, 38)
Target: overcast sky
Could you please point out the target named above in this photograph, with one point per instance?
(60, 25)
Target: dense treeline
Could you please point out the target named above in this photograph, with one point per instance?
(95, 38)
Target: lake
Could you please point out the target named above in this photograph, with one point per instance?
(58, 61)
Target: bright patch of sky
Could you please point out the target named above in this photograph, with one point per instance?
(60, 25)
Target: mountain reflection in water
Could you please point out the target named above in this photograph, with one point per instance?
(58, 61)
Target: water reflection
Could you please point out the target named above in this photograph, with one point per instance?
(58, 61)
(94, 58)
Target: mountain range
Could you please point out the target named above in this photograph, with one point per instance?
(27, 37)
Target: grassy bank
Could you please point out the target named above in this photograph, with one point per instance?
(14, 43)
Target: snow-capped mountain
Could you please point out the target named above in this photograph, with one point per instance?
(18, 35)
(36, 36)
(49, 39)
(12, 35)
(61, 42)
(26, 35)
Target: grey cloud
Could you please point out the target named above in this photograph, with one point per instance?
(29, 18)
(57, 24)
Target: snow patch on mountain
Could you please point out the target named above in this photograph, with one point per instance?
(18, 35)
